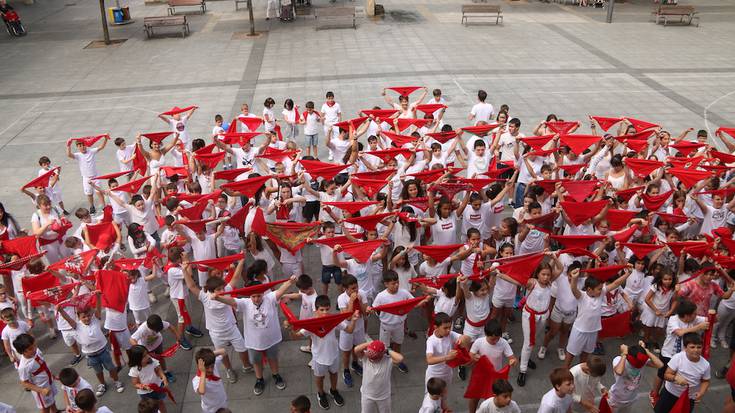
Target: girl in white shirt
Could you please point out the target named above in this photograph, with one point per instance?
(290, 116)
(147, 376)
(269, 120)
(659, 306)
(400, 264)
(443, 220)
(137, 300)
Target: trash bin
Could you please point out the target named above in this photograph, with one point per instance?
(118, 15)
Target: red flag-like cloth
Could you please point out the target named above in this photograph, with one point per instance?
(543, 153)
(655, 202)
(16, 265)
(398, 139)
(482, 379)
(328, 172)
(641, 125)
(689, 177)
(292, 235)
(604, 406)
(53, 295)
(537, 142)
(722, 156)
(319, 326)
(210, 159)
(351, 207)
(522, 268)
(248, 187)
(606, 123)
(219, 263)
(480, 130)
(381, 114)
(81, 302)
(434, 282)
(169, 352)
(361, 250)
(374, 175)
(438, 252)
(571, 170)
(579, 190)
(641, 250)
(429, 108)
(387, 154)
(579, 252)
(39, 282)
(402, 307)
(114, 286)
(604, 273)
(369, 186)
(332, 241)
(549, 185)
(157, 137)
(683, 403)
(560, 127)
(355, 123)
(311, 165)
(672, 218)
(719, 170)
(579, 212)
(89, 140)
(615, 326)
(463, 357)
(195, 211)
(237, 219)
(577, 241)
(450, 189)
(369, 222)
(132, 187)
(617, 219)
(687, 147)
(171, 171)
(643, 167)
(625, 235)
(139, 162)
(102, 235)
(404, 123)
(254, 289)
(634, 144)
(20, 246)
(239, 138)
(43, 180)
(231, 174)
(196, 225)
(684, 162)
(579, 143)
(707, 338)
(127, 264)
(544, 223)
(77, 264)
(443, 137)
(176, 110)
(252, 123)
(405, 90)
(113, 175)
(626, 194)
(478, 184)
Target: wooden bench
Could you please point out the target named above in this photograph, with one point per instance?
(335, 17)
(482, 10)
(173, 4)
(165, 21)
(682, 14)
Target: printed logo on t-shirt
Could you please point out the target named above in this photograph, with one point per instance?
(180, 126)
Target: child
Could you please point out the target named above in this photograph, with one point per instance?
(375, 392)
(481, 111)
(94, 344)
(147, 376)
(325, 354)
(436, 390)
(330, 114)
(329, 268)
(300, 404)
(501, 402)
(703, 289)
(34, 373)
(587, 377)
(124, 154)
(149, 335)
(564, 309)
(495, 348)
(53, 190)
(440, 348)
(86, 158)
(207, 382)
(179, 125)
(87, 403)
(628, 372)
(686, 370)
(311, 119)
(138, 302)
(352, 299)
(391, 325)
(72, 384)
(558, 399)
(260, 314)
(178, 295)
(13, 329)
(659, 306)
(307, 294)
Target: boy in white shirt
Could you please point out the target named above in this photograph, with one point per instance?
(330, 114)
(311, 120)
(86, 158)
(72, 384)
(481, 111)
(13, 328)
(178, 123)
(496, 349)
(53, 191)
(502, 401)
(124, 154)
(307, 295)
(587, 384)
(686, 370)
(440, 348)
(376, 387)
(628, 372)
(559, 399)
(207, 382)
(178, 296)
(87, 403)
(478, 159)
(34, 373)
(436, 390)
(149, 335)
(352, 299)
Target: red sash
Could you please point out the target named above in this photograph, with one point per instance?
(480, 323)
(182, 309)
(532, 322)
(42, 368)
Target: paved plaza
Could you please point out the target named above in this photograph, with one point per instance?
(545, 58)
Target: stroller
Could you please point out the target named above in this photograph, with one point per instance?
(12, 20)
(288, 10)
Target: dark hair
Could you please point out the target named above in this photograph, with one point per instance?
(174, 254)
(658, 279)
(44, 159)
(404, 191)
(512, 224)
(23, 342)
(435, 386)
(206, 355)
(478, 144)
(411, 226)
(322, 301)
(450, 287)
(288, 104)
(502, 386)
(256, 268)
(473, 231)
(154, 322)
(302, 404)
(68, 376)
(534, 205)
(591, 283)
(389, 276)
(85, 399)
(135, 356)
(692, 338)
(616, 160)
(441, 318)
(330, 94)
(213, 283)
(475, 286)
(560, 375)
(597, 366)
(304, 282)
(406, 263)
(7, 218)
(269, 102)
(310, 105)
(348, 280)
(685, 308)
(327, 225)
(481, 95)
(493, 329)
(147, 406)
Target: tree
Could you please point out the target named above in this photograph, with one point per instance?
(105, 30)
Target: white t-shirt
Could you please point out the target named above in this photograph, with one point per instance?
(260, 323)
(506, 146)
(176, 283)
(218, 316)
(138, 295)
(147, 375)
(714, 218)
(562, 290)
(625, 389)
(444, 304)
(26, 368)
(146, 218)
(589, 310)
(376, 378)
(311, 127)
(497, 353)
(693, 371)
(439, 347)
(325, 350)
(115, 320)
(179, 126)
(385, 297)
(430, 405)
(214, 397)
(124, 154)
(672, 343)
(483, 112)
(90, 336)
(340, 148)
(444, 231)
(488, 406)
(149, 338)
(331, 113)
(552, 403)
(425, 270)
(308, 305)
(87, 164)
(71, 392)
(10, 334)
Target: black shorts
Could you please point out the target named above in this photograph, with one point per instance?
(662, 370)
(310, 211)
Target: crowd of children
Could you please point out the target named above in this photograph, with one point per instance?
(624, 231)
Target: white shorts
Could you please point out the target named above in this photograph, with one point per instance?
(321, 370)
(580, 342)
(650, 319)
(44, 402)
(123, 339)
(374, 406)
(391, 334)
(473, 332)
(69, 336)
(225, 338)
(141, 316)
(349, 340)
(561, 317)
(86, 187)
(122, 218)
(500, 302)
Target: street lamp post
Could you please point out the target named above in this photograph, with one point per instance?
(105, 30)
(252, 20)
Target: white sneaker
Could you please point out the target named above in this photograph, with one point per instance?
(119, 387)
(305, 349)
(506, 337)
(152, 298)
(331, 158)
(561, 354)
(310, 364)
(166, 291)
(101, 389)
(231, 376)
(542, 352)
(713, 342)
(724, 343)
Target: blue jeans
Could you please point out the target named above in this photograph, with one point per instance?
(518, 197)
(100, 360)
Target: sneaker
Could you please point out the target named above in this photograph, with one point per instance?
(347, 377)
(66, 212)
(167, 291)
(194, 332)
(101, 389)
(459, 323)
(561, 354)
(305, 349)
(542, 353)
(231, 376)
(171, 378)
(599, 349)
(338, 399)
(259, 387)
(713, 342)
(152, 298)
(462, 373)
(531, 364)
(310, 364)
(92, 210)
(247, 369)
(357, 368)
(322, 400)
(119, 387)
(76, 359)
(402, 367)
(331, 158)
(184, 344)
(52, 333)
(724, 344)
(506, 337)
(721, 373)
(280, 383)
(521, 379)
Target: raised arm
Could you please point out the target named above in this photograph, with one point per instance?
(186, 267)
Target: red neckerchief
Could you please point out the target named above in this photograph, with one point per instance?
(330, 104)
(283, 212)
(211, 377)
